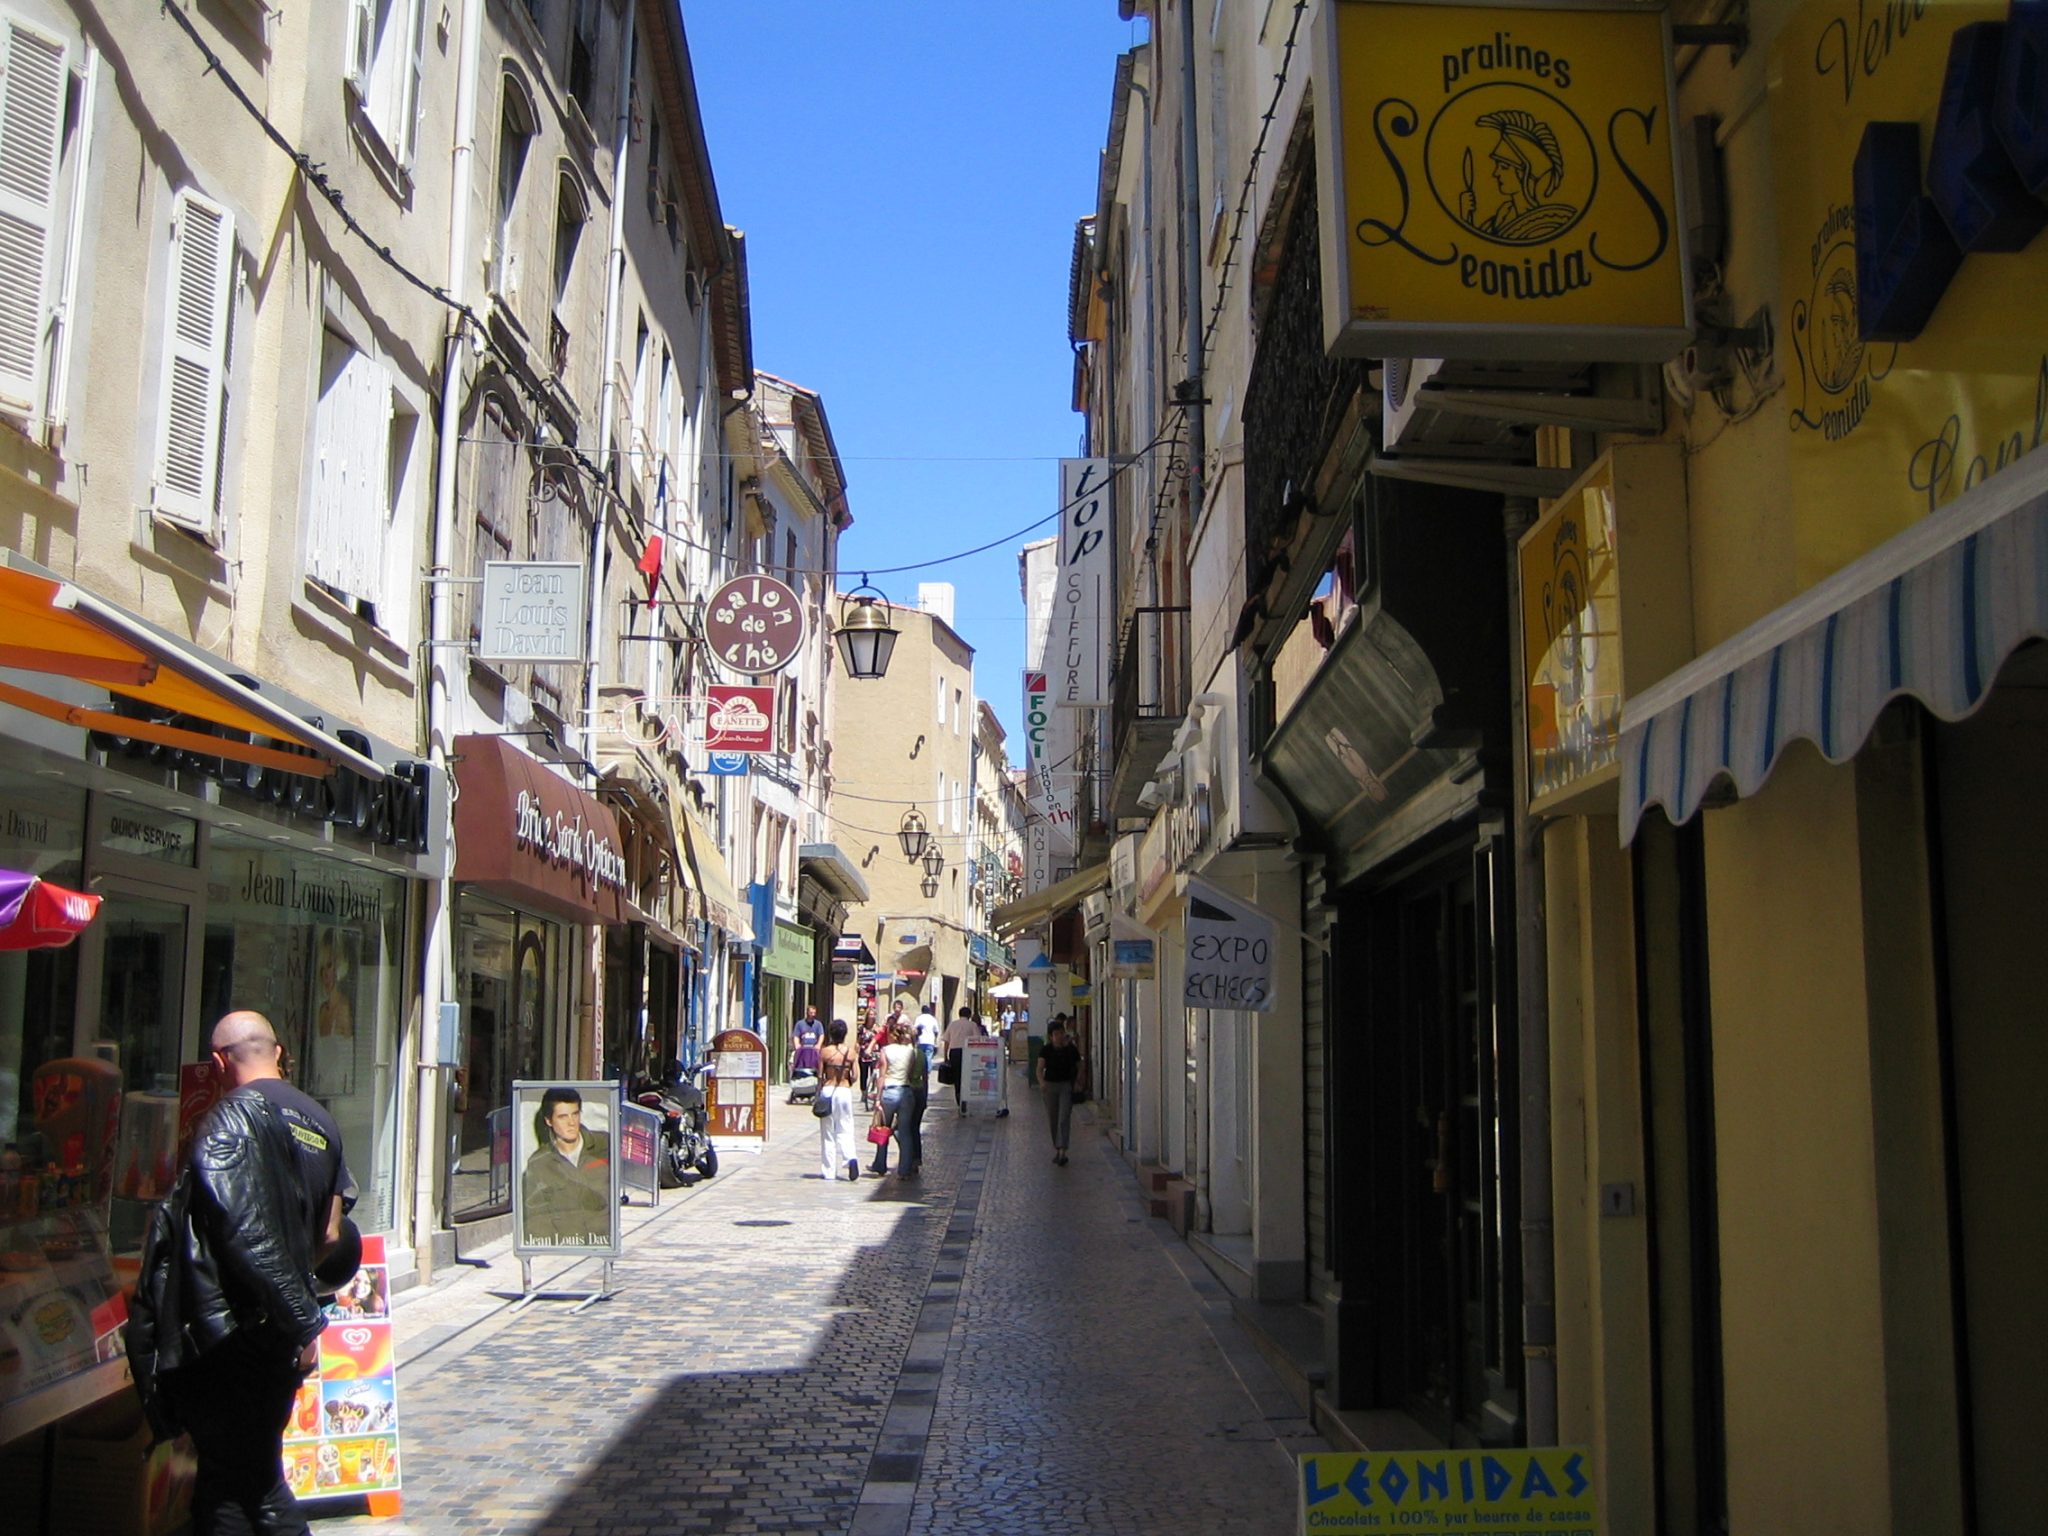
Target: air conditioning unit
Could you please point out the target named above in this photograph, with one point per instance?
(1418, 418)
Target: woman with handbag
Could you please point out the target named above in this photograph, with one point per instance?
(838, 1080)
(898, 1111)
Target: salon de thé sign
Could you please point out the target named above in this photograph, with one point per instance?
(1499, 182)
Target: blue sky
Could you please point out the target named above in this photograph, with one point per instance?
(908, 174)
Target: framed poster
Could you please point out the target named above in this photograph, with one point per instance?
(330, 1034)
(565, 1198)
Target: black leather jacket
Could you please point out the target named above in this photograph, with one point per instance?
(229, 1250)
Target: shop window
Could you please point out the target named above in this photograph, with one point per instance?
(510, 982)
(318, 948)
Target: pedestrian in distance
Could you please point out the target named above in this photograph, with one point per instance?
(870, 1049)
(1058, 1065)
(806, 1036)
(838, 1073)
(963, 1029)
(899, 1059)
(927, 1036)
(226, 1321)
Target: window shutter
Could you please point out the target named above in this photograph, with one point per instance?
(32, 88)
(196, 307)
(410, 106)
(351, 473)
(362, 44)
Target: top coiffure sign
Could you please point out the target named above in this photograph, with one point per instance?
(1499, 182)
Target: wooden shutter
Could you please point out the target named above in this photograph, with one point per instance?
(197, 300)
(362, 44)
(351, 492)
(406, 128)
(32, 90)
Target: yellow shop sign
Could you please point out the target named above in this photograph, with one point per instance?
(1918, 367)
(1498, 182)
(1434, 1493)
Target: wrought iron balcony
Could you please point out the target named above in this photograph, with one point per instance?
(1148, 700)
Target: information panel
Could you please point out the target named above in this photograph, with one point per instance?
(739, 1092)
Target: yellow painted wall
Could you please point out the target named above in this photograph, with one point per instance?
(1604, 1378)
(1803, 1344)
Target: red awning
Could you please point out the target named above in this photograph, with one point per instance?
(524, 832)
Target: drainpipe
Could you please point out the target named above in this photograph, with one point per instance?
(1191, 244)
(1532, 1010)
(614, 275)
(437, 963)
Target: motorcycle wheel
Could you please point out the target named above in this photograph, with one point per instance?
(672, 1167)
(708, 1163)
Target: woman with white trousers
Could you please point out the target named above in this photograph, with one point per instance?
(839, 1090)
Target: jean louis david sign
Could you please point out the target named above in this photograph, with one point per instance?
(1499, 182)
(1231, 951)
(532, 611)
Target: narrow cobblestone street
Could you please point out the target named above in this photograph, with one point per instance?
(1001, 1345)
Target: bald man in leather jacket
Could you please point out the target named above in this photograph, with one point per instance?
(225, 1322)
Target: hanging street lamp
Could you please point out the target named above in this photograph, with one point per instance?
(934, 861)
(864, 634)
(913, 834)
(929, 885)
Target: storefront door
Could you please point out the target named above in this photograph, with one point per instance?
(143, 968)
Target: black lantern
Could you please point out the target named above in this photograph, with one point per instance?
(934, 861)
(912, 833)
(865, 635)
(930, 886)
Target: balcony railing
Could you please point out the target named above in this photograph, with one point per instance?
(1148, 699)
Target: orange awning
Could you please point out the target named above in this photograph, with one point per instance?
(53, 627)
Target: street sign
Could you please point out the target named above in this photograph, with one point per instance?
(754, 624)
(732, 765)
(1230, 955)
(531, 610)
(740, 718)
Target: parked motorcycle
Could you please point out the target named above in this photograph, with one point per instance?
(685, 1127)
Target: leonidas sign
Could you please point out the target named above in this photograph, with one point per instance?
(1498, 182)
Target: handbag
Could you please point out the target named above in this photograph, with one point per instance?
(879, 1135)
(948, 1075)
(821, 1105)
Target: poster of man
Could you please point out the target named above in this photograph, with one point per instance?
(566, 1199)
(330, 1039)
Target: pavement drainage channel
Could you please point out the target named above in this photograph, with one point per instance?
(898, 1459)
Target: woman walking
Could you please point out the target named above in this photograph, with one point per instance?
(870, 1049)
(838, 1071)
(1058, 1065)
(899, 1102)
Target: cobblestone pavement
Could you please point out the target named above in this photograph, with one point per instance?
(1000, 1345)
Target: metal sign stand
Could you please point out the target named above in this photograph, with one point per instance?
(528, 1295)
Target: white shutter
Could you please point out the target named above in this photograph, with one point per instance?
(32, 88)
(362, 44)
(197, 300)
(406, 129)
(351, 494)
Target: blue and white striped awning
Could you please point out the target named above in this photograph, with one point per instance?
(1932, 613)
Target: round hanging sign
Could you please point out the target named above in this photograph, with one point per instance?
(754, 625)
